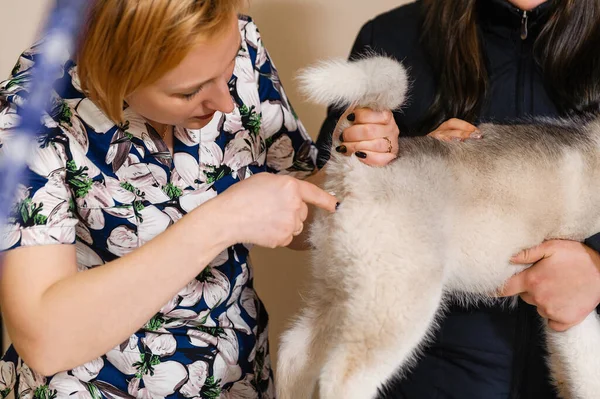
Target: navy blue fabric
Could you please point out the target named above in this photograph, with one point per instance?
(484, 352)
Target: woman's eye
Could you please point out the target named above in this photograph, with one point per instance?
(189, 96)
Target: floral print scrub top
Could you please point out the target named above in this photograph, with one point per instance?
(109, 189)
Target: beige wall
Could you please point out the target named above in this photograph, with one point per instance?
(296, 32)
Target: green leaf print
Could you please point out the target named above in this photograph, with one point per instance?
(172, 191)
(78, 179)
(155, 323)
(17, 81)
(214, 331)
(29, 213)
(16, 69)
(44, 392)
(216, 173)
(211, 389)
(93, 390)
(128, 186)
(205, 275)
(5, 392)
(146, 364)
(64, 113)
(131, 188)
(250, 119)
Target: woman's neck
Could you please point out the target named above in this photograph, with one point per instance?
(526, 5)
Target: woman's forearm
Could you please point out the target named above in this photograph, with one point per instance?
(81, 316)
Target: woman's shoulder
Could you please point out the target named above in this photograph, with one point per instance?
(401, 24)
(404, 14)
(395, 33)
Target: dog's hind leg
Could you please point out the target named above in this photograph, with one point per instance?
(301, 355)
(575, 359)
(371, 349)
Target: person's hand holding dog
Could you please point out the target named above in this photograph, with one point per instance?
(372, 137)
(563, 283)
(455, 130)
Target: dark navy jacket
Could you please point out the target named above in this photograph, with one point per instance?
(479, 353)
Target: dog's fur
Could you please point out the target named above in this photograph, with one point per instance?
(442, 219)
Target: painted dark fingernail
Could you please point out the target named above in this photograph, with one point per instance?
(342, 137)
(341, 149)
(351, 117)
(337, 205)
(360, 154)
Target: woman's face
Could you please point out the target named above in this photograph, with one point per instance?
(526, 5)
(189, 94)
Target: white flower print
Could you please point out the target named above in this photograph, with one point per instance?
(225, 367)
(144, 180)
(89, 371)
(197, 371)
(249, 301)
(240, 282)
(189, 137)
(86, 257)
(245, 149)
(241, 390)
(9, 118)
(49, 209)
(187, 168)
(152, 222)
(160, 344)
(91, 200)
(160, 378)
(211, 285)
(92, 116)
(191, 200)
(7, 376)
(30, 382)
(275, 117)
(67, 386)
(233, 319)
(122, 240)
(281, 154)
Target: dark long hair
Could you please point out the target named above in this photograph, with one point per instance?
(567, 49)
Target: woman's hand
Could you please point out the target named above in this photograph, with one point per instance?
(455, 130)
(373, 137)
(563, 283)
(269, 210)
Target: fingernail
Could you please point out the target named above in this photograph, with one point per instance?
(456, 138)
(476, 135)
(351, 117)
(342, 137)
(342, 149)
(360, 154)
(332, 193)
(337, 205)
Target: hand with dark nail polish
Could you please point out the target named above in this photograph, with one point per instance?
(342, 149)
(360, 154)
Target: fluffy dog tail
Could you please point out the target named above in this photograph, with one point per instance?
(376, 82)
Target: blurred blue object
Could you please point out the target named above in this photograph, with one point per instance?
(61, 32)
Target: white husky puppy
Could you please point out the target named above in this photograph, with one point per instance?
(443, 219)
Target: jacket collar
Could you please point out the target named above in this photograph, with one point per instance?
(504, 18)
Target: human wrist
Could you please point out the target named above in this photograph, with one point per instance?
(218, 221)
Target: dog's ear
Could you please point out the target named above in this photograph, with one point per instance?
(376, 82)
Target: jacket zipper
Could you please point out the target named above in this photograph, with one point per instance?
(524, 26)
